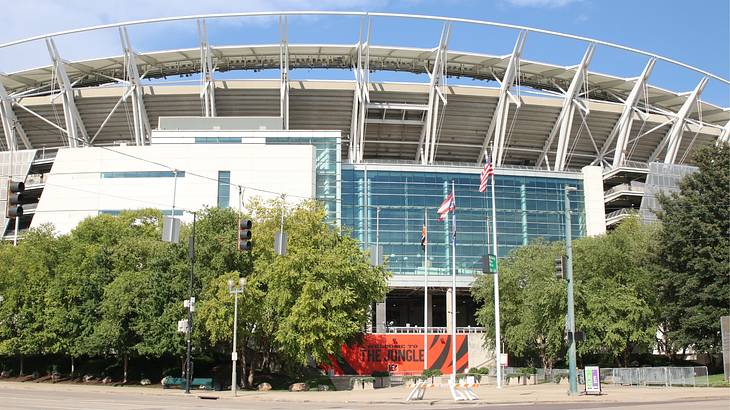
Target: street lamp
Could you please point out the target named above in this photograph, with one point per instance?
(234, 354)
(569, 276)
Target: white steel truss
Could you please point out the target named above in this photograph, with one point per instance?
(498, 123)
(724, 137)
(429, 134)
(11, 126)
(361, 98)
(284, 71)
(135, 89)
(207, 93)
(563, 126)
(75, 129)
(673, 139)
(622, 129)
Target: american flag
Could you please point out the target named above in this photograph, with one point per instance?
(447, 206)
(487, 172)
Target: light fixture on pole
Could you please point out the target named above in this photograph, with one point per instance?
(233, 290)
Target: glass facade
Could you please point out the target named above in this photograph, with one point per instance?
(327, 162)
(528, 207)
(224, 189)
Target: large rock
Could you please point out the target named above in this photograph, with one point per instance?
(299, 387)
(145, 382)
(6, 373)
(264, 387)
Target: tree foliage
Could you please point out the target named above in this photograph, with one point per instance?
(112, 288)
(695, 250)
(615, 301)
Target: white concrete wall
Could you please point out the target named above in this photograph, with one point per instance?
(75, 190)
(593, 199)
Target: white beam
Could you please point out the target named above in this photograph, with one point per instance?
(563, 126)
(75, 129)
(622, 129)
(11, 126)
(139, 113)
(361, 69)
(673, 138)
(498, 123)
(724, 137)
(207, 93)
(284, 71)
(427, 141)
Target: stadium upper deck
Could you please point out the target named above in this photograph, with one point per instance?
(540, 116)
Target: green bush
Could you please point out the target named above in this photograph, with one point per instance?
(430, 373)
(557, 378)
(380, 374)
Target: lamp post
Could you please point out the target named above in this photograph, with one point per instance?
(234, 354)
(569, 276)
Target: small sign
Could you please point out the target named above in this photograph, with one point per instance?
(493, 263)
(592, 376)
(504, 359)
(234, 356)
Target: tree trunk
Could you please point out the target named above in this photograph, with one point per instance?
(73, 367)
(251, 370)
(21, 365)
(243, 374)
(126, 363)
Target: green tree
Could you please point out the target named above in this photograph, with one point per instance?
(300, 307)
(617, 296)
(25, 274)
(695, 250)
(532, 303)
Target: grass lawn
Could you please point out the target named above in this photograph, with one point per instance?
(718, 380)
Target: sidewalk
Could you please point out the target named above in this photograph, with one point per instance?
(544, 393)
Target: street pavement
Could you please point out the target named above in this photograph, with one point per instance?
(15, 395)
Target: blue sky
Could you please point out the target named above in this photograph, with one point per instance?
(695, 33)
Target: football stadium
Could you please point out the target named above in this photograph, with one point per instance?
(375, 131)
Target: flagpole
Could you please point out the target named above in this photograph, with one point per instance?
(425, 292)
(453, 286)
(497, 333)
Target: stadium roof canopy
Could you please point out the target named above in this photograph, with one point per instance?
(541, 115)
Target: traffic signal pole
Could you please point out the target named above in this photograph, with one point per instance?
(571, 313)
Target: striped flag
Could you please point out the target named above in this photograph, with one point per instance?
(487, 172)
(447, 206)
(424, 239)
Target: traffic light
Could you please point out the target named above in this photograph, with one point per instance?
(244, 235)
(13, 207)
(560, 267)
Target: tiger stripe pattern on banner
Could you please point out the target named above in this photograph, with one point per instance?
(399, 354)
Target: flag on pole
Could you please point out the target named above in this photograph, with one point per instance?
(487, 172)
(449, 205)
(424, 239)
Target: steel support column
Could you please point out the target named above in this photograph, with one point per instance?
(207, 70)
(11, 126)
(361, 69)
(563, 126)
(724, 137)
(139, 113)
(284, 71)
(498, 123)
(673, 139)
(75, 128)
(427, 142)
(622, 129)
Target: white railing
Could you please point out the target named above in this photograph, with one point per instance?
(433, 329)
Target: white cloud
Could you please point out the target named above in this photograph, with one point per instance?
(22, 19)
(541, 3)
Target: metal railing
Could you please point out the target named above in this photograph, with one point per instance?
(434, 329)
(633, 187)
(657, 376)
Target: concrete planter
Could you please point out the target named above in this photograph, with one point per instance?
(382, 382)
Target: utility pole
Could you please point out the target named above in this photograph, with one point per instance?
(191, 308)
(571, 313)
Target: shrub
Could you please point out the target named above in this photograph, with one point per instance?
(430, 373)
(380, 373)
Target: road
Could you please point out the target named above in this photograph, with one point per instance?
(117, 398)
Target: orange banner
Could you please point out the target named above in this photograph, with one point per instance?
(400, 354)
